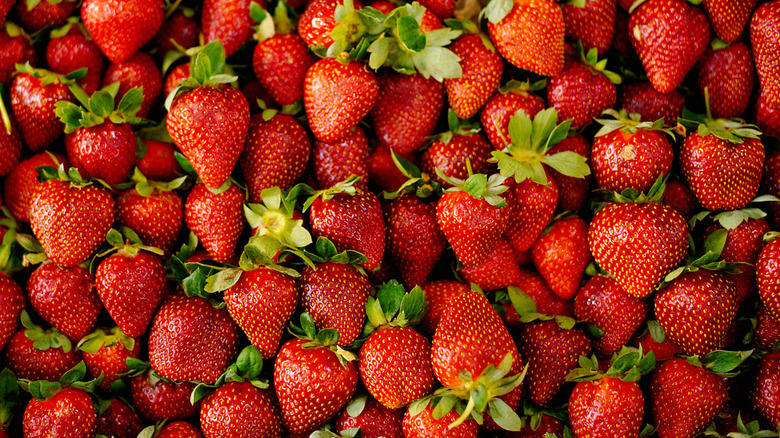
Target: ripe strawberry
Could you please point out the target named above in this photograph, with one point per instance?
(65, 298)
(34, 354)
(605, 407)
(67, 414)
(763, 25)
(155, 213)
(12, 300)
(21, 183)
(318, 21)
(743, 244)
(728, 97)
(438, 294)
(382, 170)
(532, 206)
(10, 142)
(261, 303)
(582, 91)
(181, 27)
(239, 409)
(227, 21)
(767, 331)
(424, 425)
(373, 419)
(529, 34)
(179, 429)
(669, 36)
(175, 77)
(451, 151)
(158, 400)
(643, 99)
(33, 105)
(663, 347)
(310, 398)
(603, 303)
(191, 340)
(15, 48)
(592, 23)
(71, 48)
(767, 279)
(337, 96)
(38, 14)
(280, 63)
(118, 420)
(547, 425)
(561, 255)
(275, 153)
(500, 108)
(547, 302)
(767, 117)
(5, 7)
(336, 161)
(771, 183)
(482, 68)
(443, 9)
(728, 18)
(106, 352)
(764, 390)
(572, 191)
(628, 154)
(120, 28)
(487, 276)
(638, 244)
(70, 221)
(680, 197)
(138, 71)
(158, 162)
(217, 219)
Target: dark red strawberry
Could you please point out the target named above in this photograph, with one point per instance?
(383, 171)
(175, 77)
(654, 339)
(729, 17)
(118, 420)
(138, 71)
(158, 400)
(482, 68)
(728, 97)
(10, 141)
(158, 162)
(216, 218)
(36, 354)
(33, 104)
(763, 394)
(650, 104)
(38, 14)
(770, 183)
(181, 27)
(336, 161)
(12, 300)
(582, 90)
(179, 429)
(227, 21)
(680, 197)
(767, 117)
(121, 28)
(452, 150)
(71, 48)
(373, 419)
(438, 294)
(500, 108)
(67, 414)
(768, 281)
(5, 7)
(592, 23)
(240, 409)
(763, 25)
(572, 191)
(15, 48)
(767, 331)
(498, 271)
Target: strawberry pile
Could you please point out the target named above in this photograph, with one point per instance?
(325, 218)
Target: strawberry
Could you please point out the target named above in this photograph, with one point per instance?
(680, 197)
(239, 409)
(383, 171)
(582, 90)
(603, 303)
(669, 36)
(424, 424)
(728, 18)
(342, 88)
(533, 205)
(764, 394)
(158, 399)
(654, 339)
(213, 140)
(728, 98)
(12, 299)
(374, 419)
(650, 104)
(767, 331)
(22, 182)
(70, 219)
(106, 352)
(452, 152)
(406, 110)
(36, 354)
(547, 424)
(227, 21)
(216, 218)
(763, 25)
(335, 296)
(767, 117)
(438, 294)
(179, 429)
(723, 164)
(551, 352)
(138, 71)
(592, 23)
(118, 420)
(338, 160)
(767, 279)
(120, 28)
(180, 27)
(10, 142)
(275, 153)
(572, 191)
(261, 303)
(157, 159)
(528, 33)
(175, 77)
(67, 414)
(482, 69)
(5, 7)
(486, 276)
(640, 258)
(561, 255)
(71, 48)
(38, 14)
(16, 48)
(629, 154)
(771, 183)
(318, 21)
(443, 9)
(547, 302)
(34, 94)
(500, 108)
(66, 298)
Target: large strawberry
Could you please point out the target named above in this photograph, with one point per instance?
(71, 48)
(729, 17)
(12, 299)
(34, 93)
(207, 119)
(227, 21)
(106, 352)
(216, 218)
(669, 36)
(767, 267)
(437, 295)
(763, 27)
(121, 28)
(561, 255)
(482, 68)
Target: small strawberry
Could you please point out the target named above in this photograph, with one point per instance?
(38, 14)
(36, 354)
(180, 27)
(67, 414)
(179, 429)
(768, 281)
(438, 294)
(452, 152)
(764, 393)
(767, 331)
(66, 298)
(482, 68)
(227, 21)
(500, 108)
(34, 94)
(106, 352)
(728, 97)
(71, 48)
(20, 185)
(650, 104)
(216, 218)
(422, 423)
(121, 28)
(374, 419)
(338, 160)
(763, 25)
(15, 48)
(487, 276)
(729, 17)
(157, 159)
(12, 300)
(591, 22)
(561, 255)
(175, 77)
(158, 399)
(138, 71)
(572, 191)
(118, 420)
(547, 302)
(654, 339)
(680, 197)
(528, 33)
(669, 36)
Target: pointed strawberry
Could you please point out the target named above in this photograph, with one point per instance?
(120, 28)
(106, 352)
(728, 97)
(498, 271)
(56, 411)
(482, 68)
(500, 108)
(651, 105)
(227, 21)
(592, 22)
(763, 24)
(561, 255)
(336, 161)
(729, 17)
(216, 218)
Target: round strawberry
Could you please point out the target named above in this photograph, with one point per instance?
(68, 414)
(239, 409)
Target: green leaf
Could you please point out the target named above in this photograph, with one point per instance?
(74, 374)
(390, 296)
(223, 280)
(716, 241)
(476, 185)
(257, 13)
(656, 331)
(42, 389)
(721, 361)
(101, 103)
(496, 10)
(379, 50)
(250, 362)
(520, 129)
(216, 56)
(201, 68)
(441, 37)
(356, 405)
(438, 62)
(444, 407)
(504, 416)
(523, 303)
(568, 163)
(626, 361)
(131, 102)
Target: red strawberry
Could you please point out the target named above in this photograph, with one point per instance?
(603, 303)
(728, 97)
(158, 162)
(20, 186)
(106, 352)
(572, 191)
(640, 258)
(533, 205)
(275, 153)
(605, 407)
(239, 409)
(528, 33)
(767, 117)
(34, 354)
(663, 347)
(764, 393)
(373, 419)
(105, 151)
(680, 197)
(551, 352)
(33, 106)
(66, 298)
(70, 221)
(336, 161)
(179, 429)
(383, 171)
(119, 420)
(425, 425)
(582, 91)
(67, 414)
(217, 219)
(547, 425)
(767, 331)
(487, 275)
(121, 28)
(547, 302)
(38, 14)
(438, 294)
(181, 27)
(175, 77)
(10, 142)
(771, 183)
(155, 215)
(227, 21)
(15, 48)
(768, 281)
(500, 108)
(763, 26)
(12, 300)
(158, 400)
(318, 21)
(482, 68)
(138, 71)
(450, 152)
(443, 9)
(651, 105)
(5, 7)
(261, 303)
(561, 255)
(592, 23)
(729, 17)
(337, 96)
(669, 36)
(70, 49)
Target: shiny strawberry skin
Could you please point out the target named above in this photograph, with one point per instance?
(175, 77)
(607, 407)
(346, 91)
(156, 218)
(68, 414)
(500, 108)
(425, 425)
(119, 421)
(728, 76)
(66, 298)
(663, 350)
(275, 153)
(105, 151)
(603, 303)
(767, 331)
(33, 106)
(547, 302)
(261, 303)
(179, 429)
(14, 49)
(764, 391)
(73, 51)
(438, 294)
(311, 385)
(572, 192)
(561, 255)
(580, 93)
(317, 21)
(240, 410)
(212, 147)
(729, 17)
(722, 175)
(159, 162)
(593, 24)
(120, 28)
(532, 206)
(158, 400)
(280, 64)
(766, 50)
(191, 340)
(482, 69)
(767, 117)
(336, 161)
(138, 71)
(70, 222)
(374, 421)
(743, 244)
(669, 36)
(623, 161)
(227, 21)
(684, 398)
(351, 222)
(531, 36)
(443, 9)
(638, 244)
(383, 172)
(217, 219)
(498, 271)
(767, 278)
(21, 184)
(111, 361)
(44, 14)
(680, 197)
(27, 362)
(450, 157)
(12, 303)
(643, 99)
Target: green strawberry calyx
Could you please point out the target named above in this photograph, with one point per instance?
(104, 338)
(126, 242)
(526, 88)
(4, 114)
(731, 130)
(749, 430)
(721, 362)
(628, 365)
(525, 306)
(269, 25)
(654, 195)
(710, 259)
(354, 31)
(246, 368)
(393, 307)
(44, 339)
(207, 69)
(13, 30)
(497, 10)
(629, 123)
(307, 330)
(44, 389)
(478, 186)
(99, 108)
(146, 187)
(63, 30)
(48, 77)
(9, 397)
(733, 218)
(419, 183)
(326, 432)
(525, 153)
(273, 219)
(591, 59)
